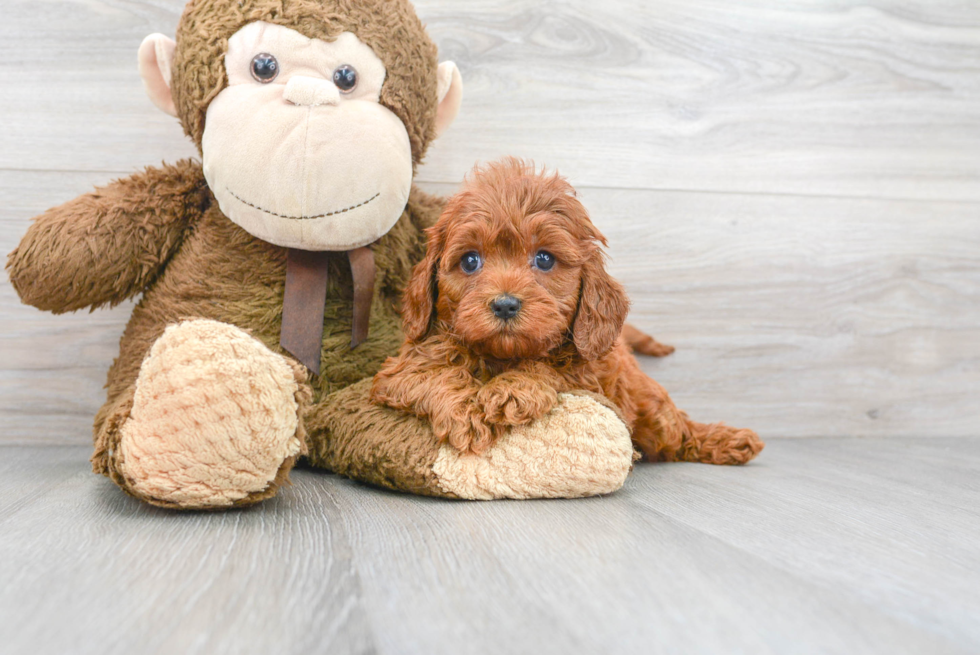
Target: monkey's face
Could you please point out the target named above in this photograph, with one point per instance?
(310, 115)
(297, 149)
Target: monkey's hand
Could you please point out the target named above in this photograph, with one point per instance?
(104, 247)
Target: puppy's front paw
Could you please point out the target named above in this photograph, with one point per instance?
(466, 430)
(515, 401)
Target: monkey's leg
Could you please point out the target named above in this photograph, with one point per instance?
(213, 421)
(580, 448)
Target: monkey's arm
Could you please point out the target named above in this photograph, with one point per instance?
(581, 448)
(104, 247)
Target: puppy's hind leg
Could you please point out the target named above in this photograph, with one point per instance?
(643, 344)
(717, 443)
(662, 432)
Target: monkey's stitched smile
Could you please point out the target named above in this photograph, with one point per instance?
(303, 218)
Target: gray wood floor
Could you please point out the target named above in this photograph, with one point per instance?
(791, 191)
(820, 546)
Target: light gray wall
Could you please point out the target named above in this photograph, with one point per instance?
(791, 189)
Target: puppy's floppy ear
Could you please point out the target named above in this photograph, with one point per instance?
(419, 300)
(602, 309)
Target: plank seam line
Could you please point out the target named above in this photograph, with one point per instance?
(777, 194)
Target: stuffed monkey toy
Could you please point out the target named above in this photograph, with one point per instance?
(271, 270)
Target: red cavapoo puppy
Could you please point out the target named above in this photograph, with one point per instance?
(511, 306)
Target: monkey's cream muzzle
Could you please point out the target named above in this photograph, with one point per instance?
(297, 162)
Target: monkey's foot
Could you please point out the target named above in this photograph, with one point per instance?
(215, 419)
(580, 448)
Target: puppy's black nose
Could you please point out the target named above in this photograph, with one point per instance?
(505, 307)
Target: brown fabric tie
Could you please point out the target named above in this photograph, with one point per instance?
(362, 270)
(305, 298)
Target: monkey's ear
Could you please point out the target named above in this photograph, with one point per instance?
(156, 59)
(450, 95)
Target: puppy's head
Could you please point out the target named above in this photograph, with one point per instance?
(514, 267)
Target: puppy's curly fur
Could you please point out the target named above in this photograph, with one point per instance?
(495, 329)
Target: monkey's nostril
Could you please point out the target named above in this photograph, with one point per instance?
(505, 307)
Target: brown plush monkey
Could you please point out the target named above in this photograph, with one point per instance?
(285, 249)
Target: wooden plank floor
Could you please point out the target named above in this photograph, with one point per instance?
(791, 192)
(820, 546)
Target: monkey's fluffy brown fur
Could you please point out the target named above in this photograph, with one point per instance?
(473, 373)
(161, 233)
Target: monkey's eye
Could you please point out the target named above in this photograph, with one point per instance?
(345, 78)
(544, 260)
(471, 262)
(265, 68)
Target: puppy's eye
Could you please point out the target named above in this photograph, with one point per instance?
(471, 262)
(544, 260)
(345, 78)
(265, 68)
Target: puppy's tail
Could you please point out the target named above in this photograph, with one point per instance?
(643, 344)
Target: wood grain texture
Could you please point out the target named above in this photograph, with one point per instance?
(126, 577)
(812, 318)
(841, 97)
(791, 191)
(819, 546)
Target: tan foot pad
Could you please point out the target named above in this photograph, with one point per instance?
(580, 448)
(214, 417)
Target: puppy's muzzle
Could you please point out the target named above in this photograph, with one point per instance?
(505, 307)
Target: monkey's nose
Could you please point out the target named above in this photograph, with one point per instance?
(505, 307)
(311, 91)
